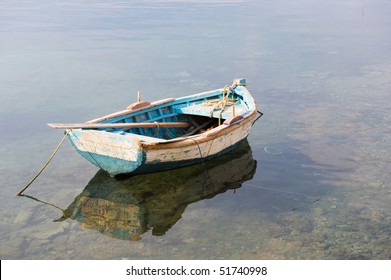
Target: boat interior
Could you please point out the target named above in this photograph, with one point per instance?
(201, 114)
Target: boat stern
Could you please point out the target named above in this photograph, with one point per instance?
(114, 153)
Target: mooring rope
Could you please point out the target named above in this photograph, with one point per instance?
(46, 164)
(41, 201)
(221, 103)
(204, 166)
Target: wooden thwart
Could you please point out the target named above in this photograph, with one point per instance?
(118, 125)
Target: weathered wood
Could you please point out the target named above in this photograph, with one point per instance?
(139, 105)
(118, 125)
(126, 112)
(126, 153)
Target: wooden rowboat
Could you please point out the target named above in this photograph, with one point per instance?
(166, 134)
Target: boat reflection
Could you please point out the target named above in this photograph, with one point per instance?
(129, 207)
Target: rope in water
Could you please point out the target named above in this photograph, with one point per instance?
(46, 164)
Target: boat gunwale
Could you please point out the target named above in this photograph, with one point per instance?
(171, 101)
(159, 143)
(206, 136)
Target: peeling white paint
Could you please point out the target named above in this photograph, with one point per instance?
(107, 144)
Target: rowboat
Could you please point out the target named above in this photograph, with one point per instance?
(169, 133)
(126, 209)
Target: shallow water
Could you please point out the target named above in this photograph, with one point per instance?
(321, 73)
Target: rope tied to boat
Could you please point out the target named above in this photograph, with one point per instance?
(45, 165)
(221, 104)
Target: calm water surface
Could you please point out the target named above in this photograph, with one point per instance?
(313, 182)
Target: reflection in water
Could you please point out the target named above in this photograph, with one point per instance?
(127, 208)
